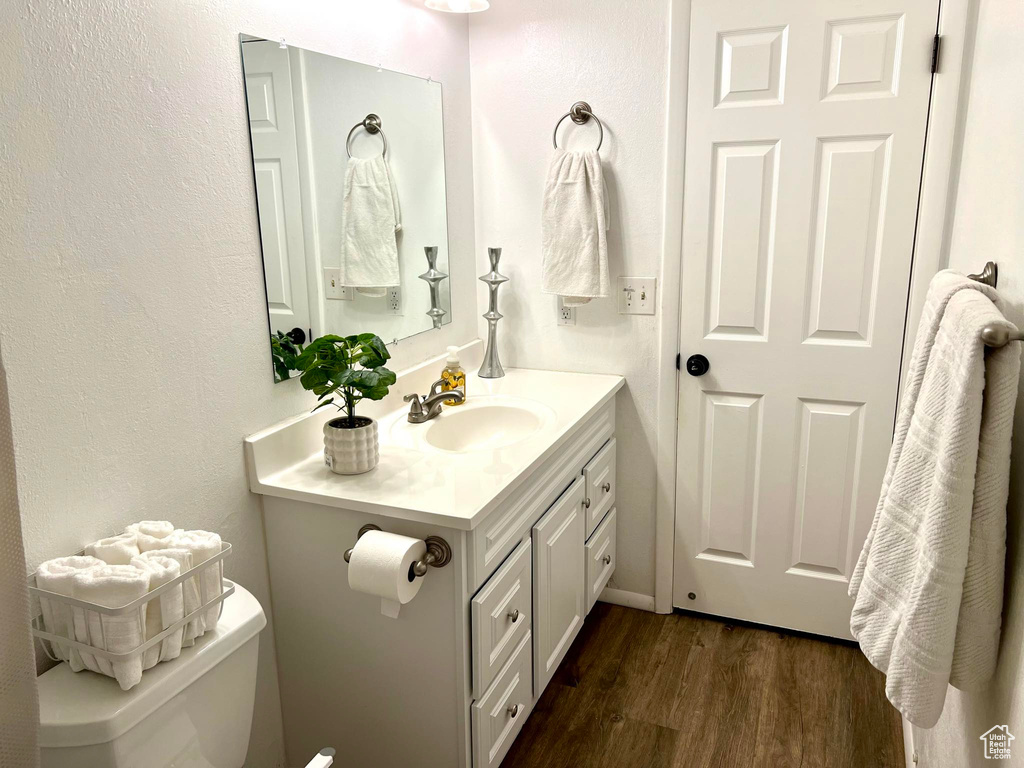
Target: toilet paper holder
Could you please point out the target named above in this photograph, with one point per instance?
(439, 553)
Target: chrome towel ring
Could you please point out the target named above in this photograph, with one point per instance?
(371, 124)
(580, 112)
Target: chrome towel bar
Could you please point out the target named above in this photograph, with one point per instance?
(994, 335)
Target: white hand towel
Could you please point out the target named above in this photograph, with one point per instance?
(928, 585)
(574, 225)
(150, 534)
(164, 610)
(370, 222)
(203, 545)
(113, 586)
(117, 550)
(58, 618)
(189, 593)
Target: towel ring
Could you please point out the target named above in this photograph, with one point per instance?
(371, 124)
(580, 113)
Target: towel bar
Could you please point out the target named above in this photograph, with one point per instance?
(580, 112)
(993, 335)
(371, 124)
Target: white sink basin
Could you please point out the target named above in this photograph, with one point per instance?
(484, 423)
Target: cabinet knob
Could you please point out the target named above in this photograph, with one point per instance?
(586, 503)
(514, 615)
(513, 711)
(607, 559)
(606, 487)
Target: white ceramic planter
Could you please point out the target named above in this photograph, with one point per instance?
(351, 450)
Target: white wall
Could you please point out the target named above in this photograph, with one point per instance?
(989, 224)
(132, 311)
(530, 60)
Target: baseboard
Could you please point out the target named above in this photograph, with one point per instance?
(627, 599)
(908, 744)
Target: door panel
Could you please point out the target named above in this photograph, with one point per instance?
(804, 141)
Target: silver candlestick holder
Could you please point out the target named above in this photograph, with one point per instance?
(433, 276)
(491, 367)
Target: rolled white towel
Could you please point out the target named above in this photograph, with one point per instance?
(189, 593)
(150, 534)
(60, 619)
(164, 610)
(113, 586)
(117, 550)
(203, 545)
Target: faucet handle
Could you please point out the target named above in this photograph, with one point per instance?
(436, 387)
(411, 397)
(416, 409)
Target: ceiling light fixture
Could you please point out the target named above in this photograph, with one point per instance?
(458, 6)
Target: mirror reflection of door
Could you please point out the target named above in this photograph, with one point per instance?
(269, 97)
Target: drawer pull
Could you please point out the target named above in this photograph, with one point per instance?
(513, 711)
(514, 615)
(586, 503)
(607, 559)
(606, 487)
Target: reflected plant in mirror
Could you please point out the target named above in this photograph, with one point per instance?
(349, 170)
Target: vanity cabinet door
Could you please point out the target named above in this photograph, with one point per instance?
(599, 475)
(558, 582)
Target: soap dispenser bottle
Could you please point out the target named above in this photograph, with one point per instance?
(453, 377)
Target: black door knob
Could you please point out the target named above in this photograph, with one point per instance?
(297, 335)
(697, 365)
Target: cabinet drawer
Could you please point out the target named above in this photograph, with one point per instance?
(599, 476)
(500, 615)
(499, 715)
(559, 603)
(600, 559)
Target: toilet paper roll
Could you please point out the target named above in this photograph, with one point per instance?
(381, 565)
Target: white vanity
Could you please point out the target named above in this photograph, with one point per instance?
(520, 482)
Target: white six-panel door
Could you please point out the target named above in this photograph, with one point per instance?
(268, 90)
(804, 141)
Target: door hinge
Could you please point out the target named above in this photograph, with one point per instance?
(679, 360)
(936, 41)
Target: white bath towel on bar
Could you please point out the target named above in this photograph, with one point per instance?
(371, 219)
(164, 610)
(928, 585)
(60, 619)
(574, 226)
(203, 545)
(114, 586)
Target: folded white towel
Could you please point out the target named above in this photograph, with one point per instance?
(189, 592)
(113, 586)
(928, 585)
(117, 550)
(574, 224)
(203, 545)
(163, 611)
(150, 534)
(370, 221)
(60, 619)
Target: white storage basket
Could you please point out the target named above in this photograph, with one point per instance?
(95, 645)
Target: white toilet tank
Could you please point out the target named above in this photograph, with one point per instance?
(195, 711)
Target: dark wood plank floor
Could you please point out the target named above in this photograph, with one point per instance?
(643, 690)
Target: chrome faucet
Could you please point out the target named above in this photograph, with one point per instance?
(424, 409)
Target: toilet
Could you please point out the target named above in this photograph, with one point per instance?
(194, 711)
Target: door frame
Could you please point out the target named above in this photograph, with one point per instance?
(939, 175)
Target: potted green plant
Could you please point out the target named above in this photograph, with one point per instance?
(285, 352)
(341, 371)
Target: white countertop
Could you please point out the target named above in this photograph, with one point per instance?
(454, 490)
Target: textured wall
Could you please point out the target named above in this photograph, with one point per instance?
(132, 311)
(989, 224)
(531, 59)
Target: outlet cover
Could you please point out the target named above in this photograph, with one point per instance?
(636, 295)
(394, 299)
(566, 315)
(333, 289)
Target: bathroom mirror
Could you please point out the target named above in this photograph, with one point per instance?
(348, 163)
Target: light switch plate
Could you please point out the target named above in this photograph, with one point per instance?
(636, 295)
(333, 289)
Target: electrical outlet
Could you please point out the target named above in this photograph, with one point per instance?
(333, 289)
(636, 295)
(566, 315)
(394, 298)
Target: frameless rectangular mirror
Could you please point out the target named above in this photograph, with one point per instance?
(348, 162)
